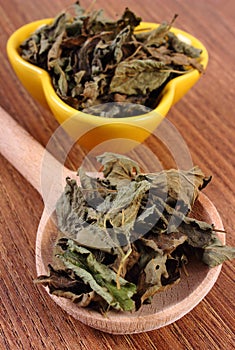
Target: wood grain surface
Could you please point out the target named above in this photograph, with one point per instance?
(29, 319)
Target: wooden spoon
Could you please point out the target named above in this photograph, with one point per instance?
(26, 155)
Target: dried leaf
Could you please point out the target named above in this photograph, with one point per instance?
(158, 36)
(216, 253)
(182, 47)
(71, 207)
(182, 187)
(90, 93)
(118, 168)
(55, 51)
(99, 277)
(138, 76)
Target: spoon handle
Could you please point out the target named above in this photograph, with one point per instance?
(22, 150)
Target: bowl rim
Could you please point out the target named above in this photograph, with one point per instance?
(166, 96)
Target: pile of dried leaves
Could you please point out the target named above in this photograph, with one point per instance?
(127, 236)
(93, 60)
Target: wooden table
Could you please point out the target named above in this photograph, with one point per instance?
(204, 118)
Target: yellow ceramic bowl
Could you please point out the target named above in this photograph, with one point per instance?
(90, 130)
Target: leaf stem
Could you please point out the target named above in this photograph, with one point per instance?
(124, 258)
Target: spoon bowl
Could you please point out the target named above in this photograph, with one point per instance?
(26, 155)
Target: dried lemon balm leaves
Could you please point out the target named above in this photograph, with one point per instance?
(126, 236)
(93, 60)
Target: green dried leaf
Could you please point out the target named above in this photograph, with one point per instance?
(55, 51)
(99, 277)
(124, 207)
(178, 186)
(138, 76)
(71, 207)
(118, 168)
(199, 233)
(216, 253)
(45, 45)
(182, 47)
(158, 36)
(96, 237)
